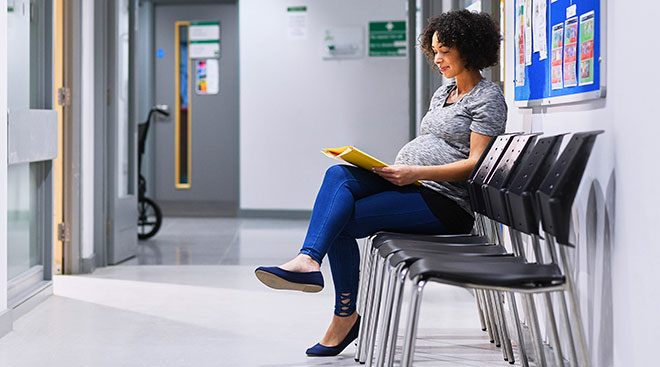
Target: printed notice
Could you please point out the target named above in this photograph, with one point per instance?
(296, 22)
(528, 32)
(207, 76)
(204, 39)
(570, 52)
(556, 61)
(587, 48)
(387, 39)
(539, 28)
(204, 31)
(520, 43)
(204, 49)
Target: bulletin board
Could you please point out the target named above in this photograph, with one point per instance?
(559, 51)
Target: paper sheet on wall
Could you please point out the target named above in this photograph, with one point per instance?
(556, 61)
(296, 22)
(570, 52)
(207, 76)
(528, 31)
(520, 46)
(587, 48)
(539, 28)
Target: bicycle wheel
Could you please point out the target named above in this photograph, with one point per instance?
(149, 218)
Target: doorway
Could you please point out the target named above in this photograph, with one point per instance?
(195, 150)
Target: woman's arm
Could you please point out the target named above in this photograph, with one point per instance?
(401, 175)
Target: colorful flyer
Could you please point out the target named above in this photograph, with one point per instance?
(207, 76)
(540, 28)
(570, 52)
(528, 31)
(556, 61)
(520, 39)
(587, 48)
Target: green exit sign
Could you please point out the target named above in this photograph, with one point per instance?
(387, 39)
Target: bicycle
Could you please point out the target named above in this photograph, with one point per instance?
(150, 217)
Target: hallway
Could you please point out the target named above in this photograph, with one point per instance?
(191, 299)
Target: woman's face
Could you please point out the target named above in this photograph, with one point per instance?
(447, 59)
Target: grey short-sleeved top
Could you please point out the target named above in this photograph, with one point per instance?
(444, 135)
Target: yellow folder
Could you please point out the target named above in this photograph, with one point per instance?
(356, 157)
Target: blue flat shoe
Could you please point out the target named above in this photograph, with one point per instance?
(277, 278)
(322, 351)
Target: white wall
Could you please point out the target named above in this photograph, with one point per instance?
(293, 104)
(87, 132)
(3, 162)
(627, 152)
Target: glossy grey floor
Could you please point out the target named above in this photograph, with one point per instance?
(190, 298)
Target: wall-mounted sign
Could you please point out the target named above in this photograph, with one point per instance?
(343, 43)
(207, 78)
(296, 22)
(387, 38)
(204, 40)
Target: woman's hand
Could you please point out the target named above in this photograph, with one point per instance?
(399, 175)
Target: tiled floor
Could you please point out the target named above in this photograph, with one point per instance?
(152, 311)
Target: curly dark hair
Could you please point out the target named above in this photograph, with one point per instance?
(476, 36)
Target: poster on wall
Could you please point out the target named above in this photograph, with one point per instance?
(204, 40)
(539, 28)
(387, 38)
(528, 31)
(296, 22)
(207, 76)
(570, 52)
(557, 60)
(520, 43)
(587, 48)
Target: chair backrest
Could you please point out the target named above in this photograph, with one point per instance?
(534, 166)
(494, 190)
(484, 169)
(557, 191)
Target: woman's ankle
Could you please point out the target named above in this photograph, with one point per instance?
(301, 263)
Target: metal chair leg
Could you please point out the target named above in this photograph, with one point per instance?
(559, 358)
(369, 312)
(498, 323)
(373, 322)
(582, 343)
(381, 344)
(401, 273)
(508, 348)
(480, 310)
(363, 270)
(563, 308)
(489, 323)
(536, 331)
(359, 351)
(493, 320)
(521, 337)
(411, 328)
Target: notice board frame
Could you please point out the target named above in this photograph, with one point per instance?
(537, 90)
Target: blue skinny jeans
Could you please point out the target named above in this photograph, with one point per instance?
(355, 203)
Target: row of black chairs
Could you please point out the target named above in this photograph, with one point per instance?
(520, 181)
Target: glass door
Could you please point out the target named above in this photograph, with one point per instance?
(29, 183)
(121, 132)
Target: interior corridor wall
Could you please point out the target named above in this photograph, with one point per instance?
(5, 317)
(87, 132)
(616, 265)
(293, 103)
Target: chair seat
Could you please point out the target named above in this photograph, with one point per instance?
(410, 256)
(467, 249)
(457, 239)
(480, 271)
